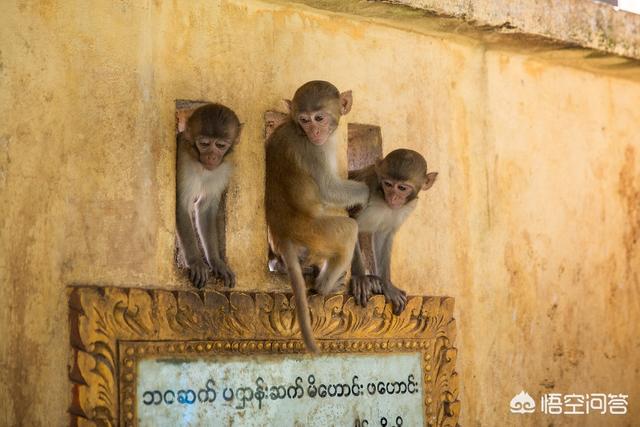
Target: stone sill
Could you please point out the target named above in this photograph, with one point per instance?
(484, 37)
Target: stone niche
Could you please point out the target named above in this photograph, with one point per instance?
(158, 357)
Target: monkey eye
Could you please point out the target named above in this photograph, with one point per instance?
(221, 145)
(387, 184)
(203, 141)
(319, 118)
(304, 120)
(403, 187)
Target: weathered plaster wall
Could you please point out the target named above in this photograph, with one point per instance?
(585, 22)
(533, 225)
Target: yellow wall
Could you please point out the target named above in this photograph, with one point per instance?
(533, 225)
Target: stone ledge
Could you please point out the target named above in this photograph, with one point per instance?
(484, 37)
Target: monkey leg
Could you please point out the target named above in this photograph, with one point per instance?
(339, 235)
(277, 265)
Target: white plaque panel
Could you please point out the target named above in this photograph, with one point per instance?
(291, 390)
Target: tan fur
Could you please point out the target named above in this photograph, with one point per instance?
(301, 187)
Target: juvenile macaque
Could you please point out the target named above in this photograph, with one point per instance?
(202, 176)
(394, 184)
(302, 184)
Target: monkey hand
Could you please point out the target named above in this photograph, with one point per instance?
(222, 271)
(354, 211)
(396, 296)
(362, 287)
(198, 273)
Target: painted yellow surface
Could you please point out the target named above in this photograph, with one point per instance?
(533, 225)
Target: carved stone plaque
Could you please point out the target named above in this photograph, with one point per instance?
(155, 357)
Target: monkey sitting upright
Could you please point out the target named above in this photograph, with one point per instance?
(202, 176)
(394, 184)
(302, 185)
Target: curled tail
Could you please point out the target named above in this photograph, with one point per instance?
(300, 293)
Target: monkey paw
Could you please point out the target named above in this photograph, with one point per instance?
(396, 296)
(198, 273)
(222, 271)
(362, 289)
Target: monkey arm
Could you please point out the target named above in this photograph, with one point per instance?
(362, 285)
(210, 226)
(364, 174)
(383, 243)
(342, 192)
(185, 204)
(198, 270)
(186, 232)
(357, 263)
(220, 226)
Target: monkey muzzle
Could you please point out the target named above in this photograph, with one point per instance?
(394, 200)
(317, 135)
(210, 161)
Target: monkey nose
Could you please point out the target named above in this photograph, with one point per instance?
(395, 200)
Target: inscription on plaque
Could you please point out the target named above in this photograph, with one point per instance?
(259, 390)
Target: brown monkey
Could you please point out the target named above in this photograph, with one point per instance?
(302, 184)
(202, 176)
(394, 184)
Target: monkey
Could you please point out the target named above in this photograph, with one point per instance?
(394, 183)
(202, 176)
(302, 188)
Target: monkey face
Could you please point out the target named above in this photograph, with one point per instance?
(317, 125)
(396, 193)
(211, 151)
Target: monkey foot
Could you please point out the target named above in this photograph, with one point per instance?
(396, 296)
(199, 274)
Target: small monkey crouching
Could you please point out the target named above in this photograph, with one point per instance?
(394, 183)
(202, 176)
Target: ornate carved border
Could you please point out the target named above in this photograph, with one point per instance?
(112, 328)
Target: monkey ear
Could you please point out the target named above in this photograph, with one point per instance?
(287, 105)
(430, 179)
(346, 101)
(273, 119)
(240, 127)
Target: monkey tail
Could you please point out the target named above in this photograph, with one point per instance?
(300, 293)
